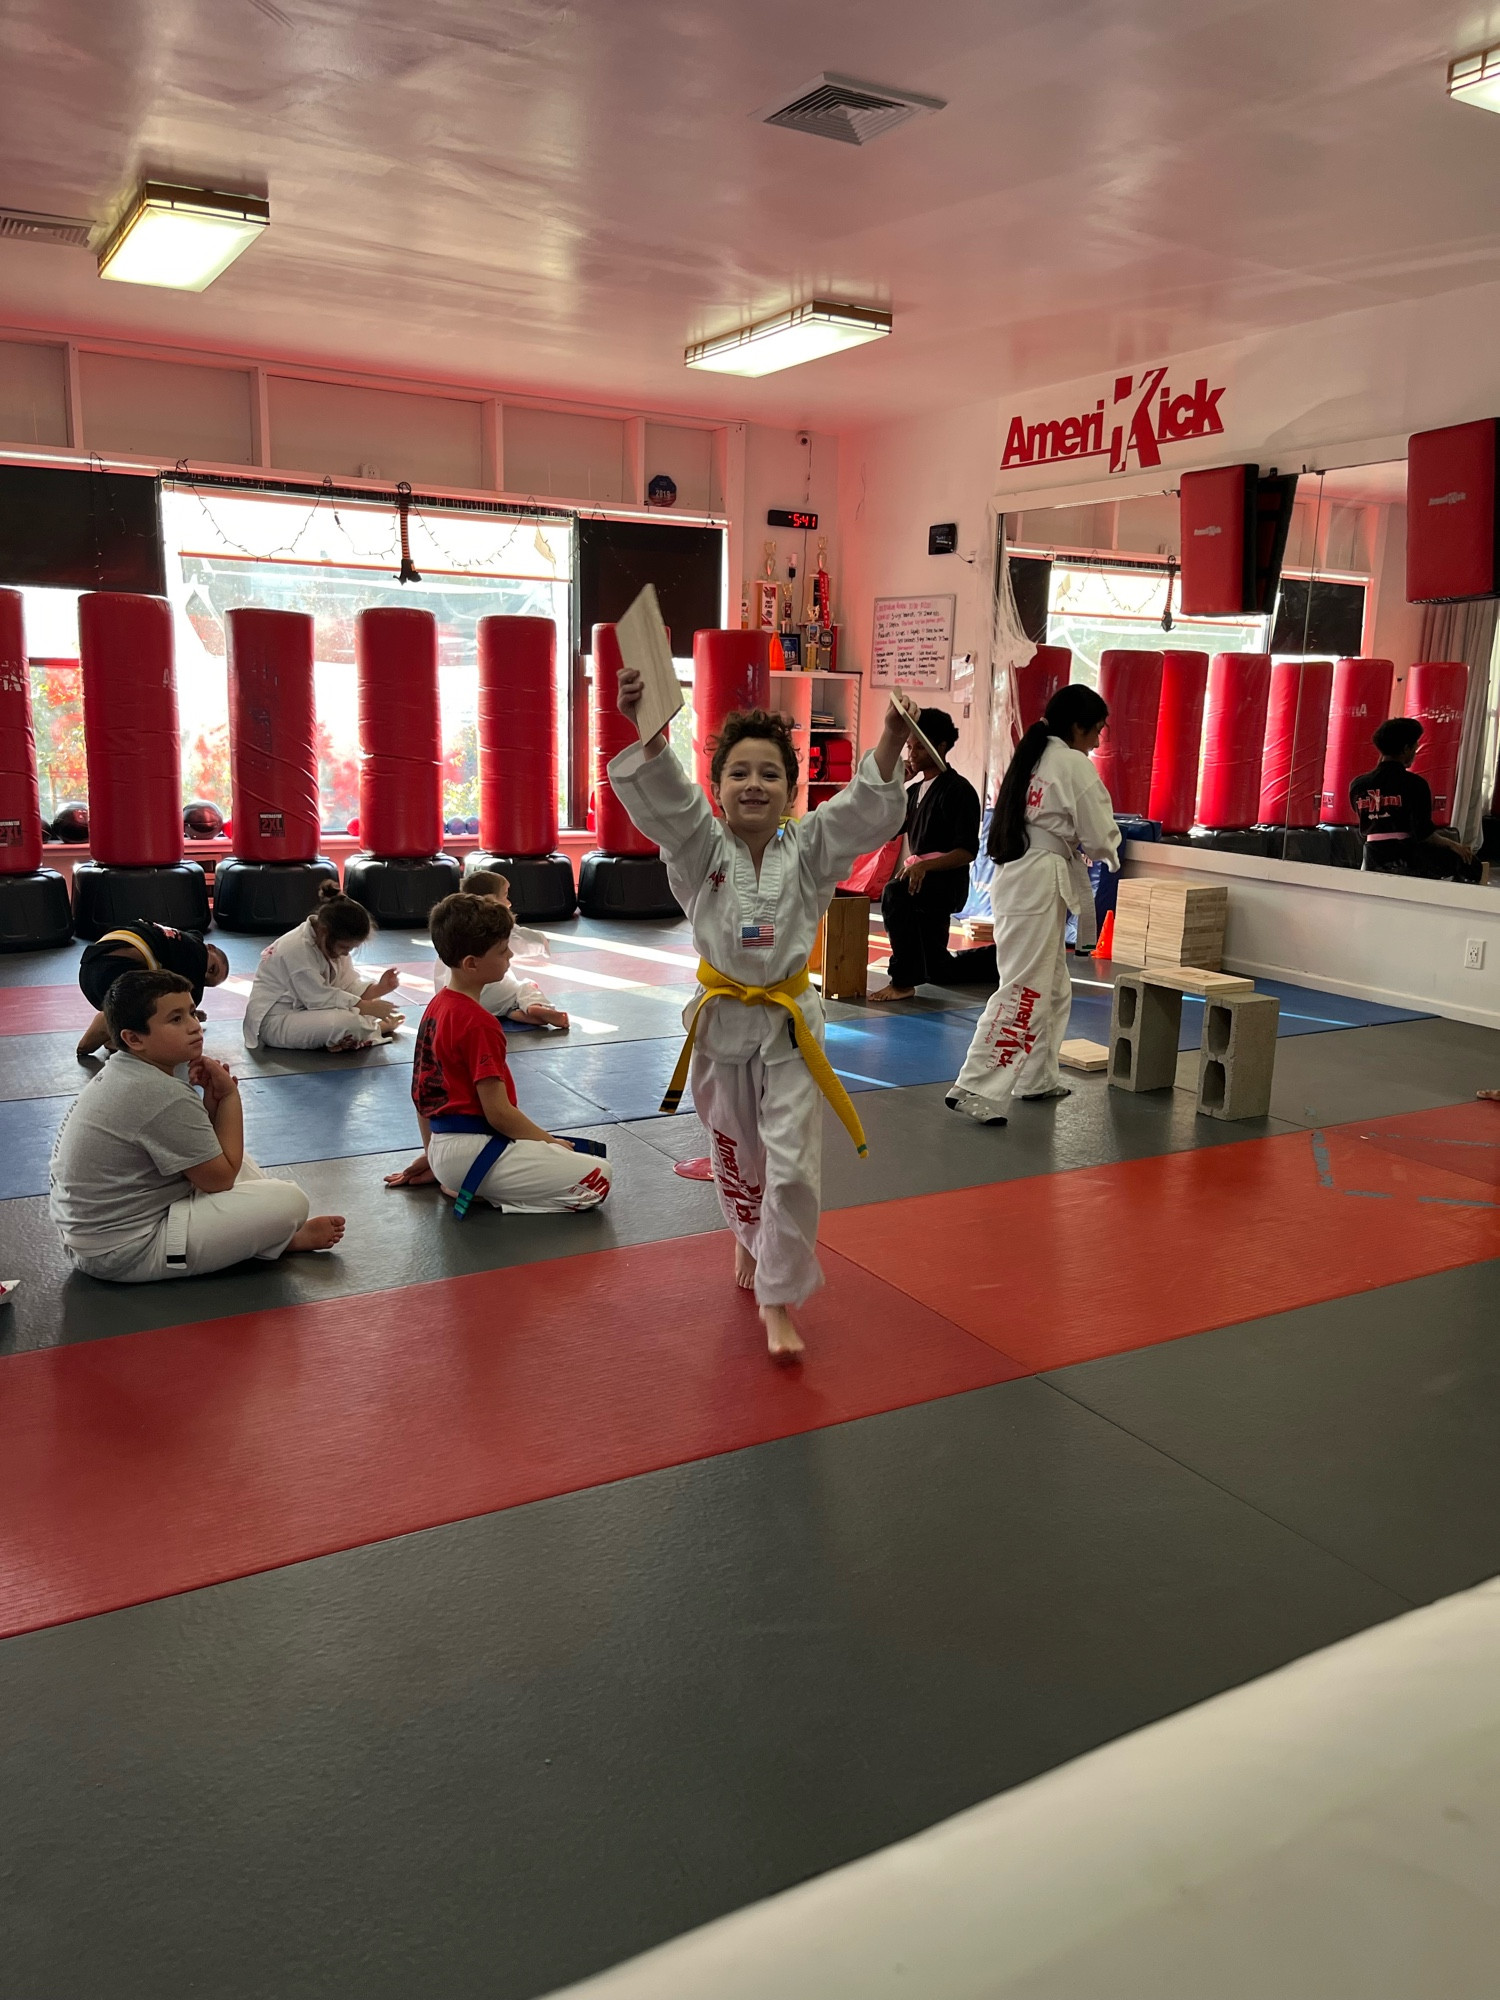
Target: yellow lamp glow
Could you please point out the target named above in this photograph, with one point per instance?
(181, 237)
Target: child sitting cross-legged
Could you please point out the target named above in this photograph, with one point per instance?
(479, 1144)
(150, 1179)
(307, 994)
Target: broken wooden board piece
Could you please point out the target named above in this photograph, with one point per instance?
(1090, 1057)
(1195, 979)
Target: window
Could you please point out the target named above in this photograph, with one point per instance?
(1094, 609)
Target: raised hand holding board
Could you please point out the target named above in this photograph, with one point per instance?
(903, 701)
(645, 646)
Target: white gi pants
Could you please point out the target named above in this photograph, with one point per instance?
(765, 1136)
(257, 1217)
(315, 1028)
(1016, 1044)
(530, 1177)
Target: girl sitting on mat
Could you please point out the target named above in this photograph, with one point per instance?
(141, 946)
(481, 1145)
(307, 994)
(1052, 803)
(755, 885)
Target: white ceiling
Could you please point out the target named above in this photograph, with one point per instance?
(556, 195)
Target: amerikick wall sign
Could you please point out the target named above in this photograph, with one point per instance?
(1145, 413)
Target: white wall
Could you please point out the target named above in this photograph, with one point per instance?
(1374, 937)
(781, 471)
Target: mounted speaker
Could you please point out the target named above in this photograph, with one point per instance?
(1234, 530)
(1452, 524)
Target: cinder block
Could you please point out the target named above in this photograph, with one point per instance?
(1143, 1029)
(1238, 1057)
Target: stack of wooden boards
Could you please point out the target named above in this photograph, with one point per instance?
(1170, 923)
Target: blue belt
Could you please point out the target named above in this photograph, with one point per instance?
(484, 1159)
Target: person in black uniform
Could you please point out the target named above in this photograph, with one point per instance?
(141, 946)
(941, 838)
(1395, 813)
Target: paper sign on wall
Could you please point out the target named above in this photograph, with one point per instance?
(912, 645)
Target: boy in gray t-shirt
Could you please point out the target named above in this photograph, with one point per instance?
(150, 1179)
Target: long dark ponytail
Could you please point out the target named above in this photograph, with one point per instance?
(1072, 707)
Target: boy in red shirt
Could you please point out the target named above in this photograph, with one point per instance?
(481, 1145)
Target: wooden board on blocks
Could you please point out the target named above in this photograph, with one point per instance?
(1198, 979)
(841, 951)
(1091, 1057)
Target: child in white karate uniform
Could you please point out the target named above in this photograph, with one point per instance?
(1052, 811)
(755, 885)
(307, 994)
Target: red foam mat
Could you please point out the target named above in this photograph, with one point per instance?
(1067, 1267)
(134, 1468)
(56, 1010)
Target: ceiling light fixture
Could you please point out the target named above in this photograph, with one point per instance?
(1476, 79)
(181, 237)
(803, 333)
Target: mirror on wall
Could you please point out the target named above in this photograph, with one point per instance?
(1244, 734)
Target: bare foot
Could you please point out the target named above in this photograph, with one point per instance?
(319, 1232)
(782, 1338)
(418, 1174)
(347, 1044)
(884, 993)
(1489, 1096)
(553, 1017)
(744, 1268)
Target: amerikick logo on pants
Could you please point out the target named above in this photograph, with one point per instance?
(742, 1195)
(1013, 1038)
(1145, 414)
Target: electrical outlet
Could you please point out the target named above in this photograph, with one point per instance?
(1473, 954)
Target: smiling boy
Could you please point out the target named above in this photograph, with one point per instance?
(150, 1179)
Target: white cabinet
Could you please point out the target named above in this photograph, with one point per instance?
(824, 711)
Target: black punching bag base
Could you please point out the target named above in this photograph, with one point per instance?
(1348, 846)
(268, 897)
(34, 911)
(104, 898)
(541, 885)
(625, 885)
(1300, 843)
(400, 894)
(1230, 840)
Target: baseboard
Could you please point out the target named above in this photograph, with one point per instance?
(1384, 996)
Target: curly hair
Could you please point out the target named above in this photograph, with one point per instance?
(761, 726)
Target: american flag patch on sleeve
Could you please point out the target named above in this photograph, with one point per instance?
(757, 934)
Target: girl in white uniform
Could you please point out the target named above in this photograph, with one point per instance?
(307, 994)
(1052, 804)
(755, 885)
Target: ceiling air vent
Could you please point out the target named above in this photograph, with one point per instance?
(70, 232)
(842, 108)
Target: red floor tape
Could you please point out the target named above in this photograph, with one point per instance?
(1066, 1267)
(135, 1468)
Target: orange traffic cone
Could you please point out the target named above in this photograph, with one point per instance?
(1106, 942)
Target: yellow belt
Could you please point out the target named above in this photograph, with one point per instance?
(129, 937)
(718, 986)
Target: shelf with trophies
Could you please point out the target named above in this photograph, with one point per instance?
(807, 685)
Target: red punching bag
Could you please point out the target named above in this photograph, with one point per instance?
(1436, 691)
(616, 831)
(273, 753)
(1239, 685)
(1291, 775)
(1130, 684)
(1039, 679)
(1361, 702)
(130, 730)
(518, 735)
(730, 670)
(1179, 740)
(400, 734)
(20, 802)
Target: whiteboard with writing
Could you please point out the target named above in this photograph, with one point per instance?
(913, 642)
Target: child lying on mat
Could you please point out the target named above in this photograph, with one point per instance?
(307, 994)
(141, 946)
(511, 998)
(150, 1179)
(477, 1143)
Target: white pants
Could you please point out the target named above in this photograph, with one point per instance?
(765, 1131)
(257, 1217)
(1016, 1044)
(315, 1028)
(529, 1178)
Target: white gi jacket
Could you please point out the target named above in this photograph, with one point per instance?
(293, 975)
(713, 877)
(1067, 808)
